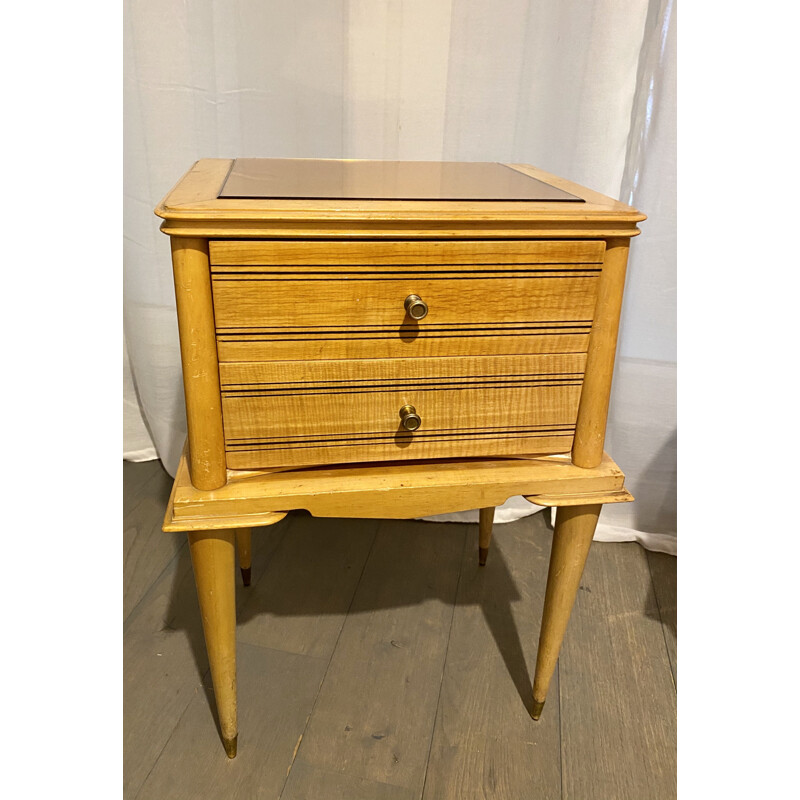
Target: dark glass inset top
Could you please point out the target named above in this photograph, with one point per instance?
(332, 179)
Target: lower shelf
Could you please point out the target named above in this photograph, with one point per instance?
(388, 490)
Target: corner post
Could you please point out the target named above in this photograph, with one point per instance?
(195, 306)
(590, 430)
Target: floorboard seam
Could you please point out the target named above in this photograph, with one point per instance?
(138, 498)
(166, 742)
(661, 620)
(330, 658)
(132, 613)
(444, 663)
(560, 731)
(137, 492)
(278, 650)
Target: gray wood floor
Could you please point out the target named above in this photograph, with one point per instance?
(377, 661)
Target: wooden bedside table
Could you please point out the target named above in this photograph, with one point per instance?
(390, 339)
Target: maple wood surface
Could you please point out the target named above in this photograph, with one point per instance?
(298, 355)
(381, 490)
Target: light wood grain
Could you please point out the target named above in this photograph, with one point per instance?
(512, 288)
(359, 418)
(485, 444)
(244, 547)
(409, 254)
(581, 498)
(284, 413)
(590, 433)
(337, 374)
(574, 529)
(193, 208)
(485, 522)
(244, 553)
(201, 183)
(396, 225)
(213, 561)
(199, 361)
(396, 491)
(246, 304)
(388, 342)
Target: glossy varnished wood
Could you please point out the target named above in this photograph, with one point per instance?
(572, 537)
(482, 298)
(282, 413)
(199, 360)
(193, 208)
(244, 302)
(244, 544)
(485, 522)
(591, 429)
(389, 491)
(213, 561)
(342, 375)
(436, 256)
(297, 344)
(390, 341)
(294, 299)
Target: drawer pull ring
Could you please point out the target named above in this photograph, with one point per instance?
(411, 420)
(416, 307)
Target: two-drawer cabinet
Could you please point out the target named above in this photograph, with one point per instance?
(365, 351)
(321, 324)
(391, 340)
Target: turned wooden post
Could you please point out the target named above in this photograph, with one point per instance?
(213, 561)
(590, 430)
(199, 358)
(243, 551)
(572, 537)
(486, 517)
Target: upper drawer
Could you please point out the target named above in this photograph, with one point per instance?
(278, 300)
(439, 254)
(246, 301)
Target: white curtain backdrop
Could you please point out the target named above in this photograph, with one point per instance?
(584, 89)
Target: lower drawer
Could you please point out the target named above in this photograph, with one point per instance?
(303, 413)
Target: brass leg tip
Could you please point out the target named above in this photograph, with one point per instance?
(230, 746)
(246, 575)
(483, 552)
(537, 709)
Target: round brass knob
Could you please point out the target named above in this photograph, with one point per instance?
(416, 307)
(411, 420)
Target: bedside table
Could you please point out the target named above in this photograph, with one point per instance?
(390, 339)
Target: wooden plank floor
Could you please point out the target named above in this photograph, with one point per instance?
(376, 661)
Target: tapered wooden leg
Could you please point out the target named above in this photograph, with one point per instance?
(243, 537)
(486, 517)
(572, 537)
(213, 562)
